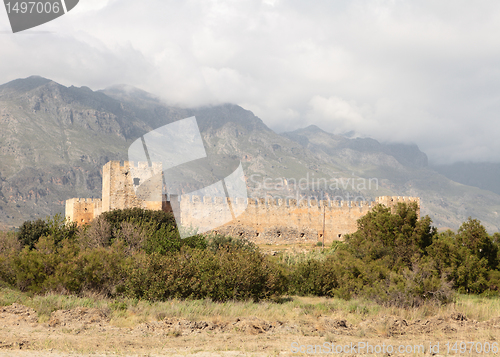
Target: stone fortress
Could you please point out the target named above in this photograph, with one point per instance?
(264, 220)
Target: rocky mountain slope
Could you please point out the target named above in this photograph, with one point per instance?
(54, 141)
(484, 175)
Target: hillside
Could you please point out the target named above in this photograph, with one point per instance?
(479, 174)
(55, 139)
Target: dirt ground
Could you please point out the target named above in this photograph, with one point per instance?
(88, 331)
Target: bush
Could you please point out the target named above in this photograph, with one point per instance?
(138, 216)
(65, 268)
(385, 260)
(399, 236)
(393, 259)
(98, 233)
(473, 236)
(30, 232)
(130, 253)
(194, 273)
(468, 258)
(9, 248)
(150, 231)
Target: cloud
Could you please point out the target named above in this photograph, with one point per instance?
(338, 114)
(424, 72)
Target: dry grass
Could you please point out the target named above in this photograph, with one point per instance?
(296, 308)
(367, 321)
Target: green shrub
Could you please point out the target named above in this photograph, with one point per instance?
(385, 260)
(30, 232)
(193, 273)
(138, 216)
(399, 236)
(473, 236)
(64, 267)
(140, 229)
(166, 239)
(39, 269)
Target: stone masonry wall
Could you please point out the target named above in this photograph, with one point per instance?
(274, 220)
(82, 210)
(126, 185)
(129, 186)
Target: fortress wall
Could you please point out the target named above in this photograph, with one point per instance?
(204, 212)
(273, 219)
(106, 187)
(82, 210)
(97, 207)
(265, 220)
(341, 218)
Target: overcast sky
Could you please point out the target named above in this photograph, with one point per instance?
(426, 71)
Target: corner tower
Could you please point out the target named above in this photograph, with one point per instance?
(131, 185)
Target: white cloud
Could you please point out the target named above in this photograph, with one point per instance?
(426, 72)
(337, 114)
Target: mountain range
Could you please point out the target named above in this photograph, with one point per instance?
(55, 139)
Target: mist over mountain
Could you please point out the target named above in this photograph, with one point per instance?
(485, 175)
(55, 139)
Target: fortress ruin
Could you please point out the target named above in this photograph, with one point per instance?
(269, 220)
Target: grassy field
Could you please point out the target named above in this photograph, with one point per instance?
(94, 324)
(289, 308)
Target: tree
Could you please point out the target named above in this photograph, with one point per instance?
(400, 237)
(30, 232)
(473, 236)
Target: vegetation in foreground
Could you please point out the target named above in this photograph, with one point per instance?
(393, 260)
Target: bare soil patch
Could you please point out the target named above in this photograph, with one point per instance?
(91, 331)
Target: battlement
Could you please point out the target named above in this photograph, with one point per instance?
(84, 200)
(396, 199)
(115, 164)
(279, 202)
(392, 201)
(268, 218)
